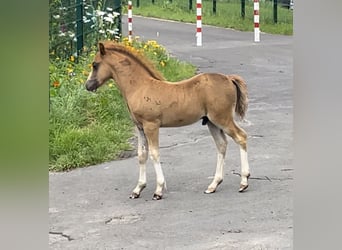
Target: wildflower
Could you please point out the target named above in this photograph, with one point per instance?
(108, 19)
(69, 70)
(100, 13)
(71, 34)
(116, 14)
(56, 84)
(110, 31)
(72, 58)
(84, 72)
(110, 85)
(162, 63)
(86, 20)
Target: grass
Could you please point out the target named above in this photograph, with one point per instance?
(228, 14)
(89, 128)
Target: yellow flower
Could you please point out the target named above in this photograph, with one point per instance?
(69, 70)
(72, 58)
(85, 72)
(110, 85)
(162, 63)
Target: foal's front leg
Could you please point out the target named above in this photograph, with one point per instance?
(152, 135)
(142, 157)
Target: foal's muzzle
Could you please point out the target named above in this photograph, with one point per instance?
(91, 85)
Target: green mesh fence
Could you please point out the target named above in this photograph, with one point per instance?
(76, 25)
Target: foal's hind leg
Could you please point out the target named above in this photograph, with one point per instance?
(240, 137)
(221, 145)
(142, 156)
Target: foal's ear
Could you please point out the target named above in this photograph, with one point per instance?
(102, 49)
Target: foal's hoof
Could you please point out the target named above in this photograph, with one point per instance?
(243, 188)
(210, 191)
(134, 196)
(157, 197)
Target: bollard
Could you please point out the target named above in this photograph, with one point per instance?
(199, 22)
(130, 21)
(256, 21)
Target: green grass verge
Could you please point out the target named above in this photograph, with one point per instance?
(89, 128)
(228, 14)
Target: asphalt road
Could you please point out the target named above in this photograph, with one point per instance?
(90, 209)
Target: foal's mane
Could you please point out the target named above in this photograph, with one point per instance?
(133, 54)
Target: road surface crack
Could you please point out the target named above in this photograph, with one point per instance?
(264, 178)
(68, 237)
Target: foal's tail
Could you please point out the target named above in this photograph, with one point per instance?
(242, 95)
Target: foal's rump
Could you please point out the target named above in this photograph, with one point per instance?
(223, 95)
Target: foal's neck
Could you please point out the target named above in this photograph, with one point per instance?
(130, 74)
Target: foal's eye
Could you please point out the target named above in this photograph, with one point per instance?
(95, 65)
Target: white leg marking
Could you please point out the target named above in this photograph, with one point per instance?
(142, 157)
(244, 169)
(159, 172)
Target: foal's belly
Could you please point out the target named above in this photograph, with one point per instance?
(178, 120)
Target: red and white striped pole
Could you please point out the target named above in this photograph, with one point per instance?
(256, 21)
(199, 22)
(130, 18)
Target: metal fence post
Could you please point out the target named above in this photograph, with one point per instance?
(79, 25)
(118, 9)
(243, 9)
(275, 11)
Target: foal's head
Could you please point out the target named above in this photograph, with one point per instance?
(100, 72)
